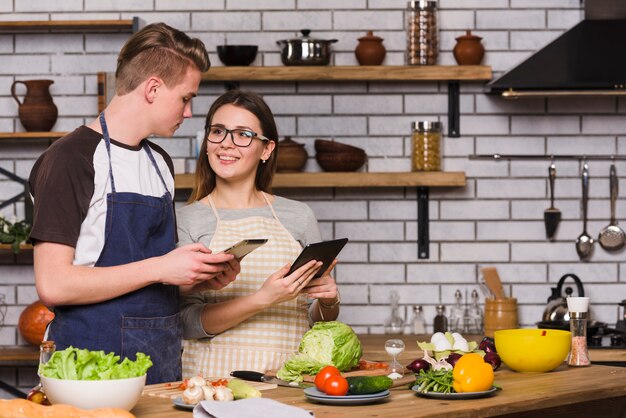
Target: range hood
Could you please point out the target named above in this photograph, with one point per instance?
(589, 59)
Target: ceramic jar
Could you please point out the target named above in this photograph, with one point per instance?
(468, 49)
(370, 50)
(291, 156)
(37, 112)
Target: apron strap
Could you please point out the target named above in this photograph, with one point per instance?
(270, 206)
(107, 144)
(212, 204)
(145, 146)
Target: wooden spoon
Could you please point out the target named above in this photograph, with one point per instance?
(492, 279)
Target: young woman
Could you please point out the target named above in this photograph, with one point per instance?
(257, 321)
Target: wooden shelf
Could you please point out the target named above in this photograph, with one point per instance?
(348, 73)
(7, 256)
(32, 135)
(123, 25)
(354, 179)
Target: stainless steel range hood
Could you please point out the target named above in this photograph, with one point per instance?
(589, 59)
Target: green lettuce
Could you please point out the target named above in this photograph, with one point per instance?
(326, 343)
(81, 364)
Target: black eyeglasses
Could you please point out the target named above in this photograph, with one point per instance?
(241, 137)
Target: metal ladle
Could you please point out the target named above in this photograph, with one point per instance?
(612, 237)
(584, 243)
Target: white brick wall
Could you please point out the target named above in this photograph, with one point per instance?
(496, 220)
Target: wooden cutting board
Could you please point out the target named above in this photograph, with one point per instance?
(172, 389)
(404, 381)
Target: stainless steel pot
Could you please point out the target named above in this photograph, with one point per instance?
(305, 50)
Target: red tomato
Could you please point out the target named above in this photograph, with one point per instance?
(336, 386)
(324, 374)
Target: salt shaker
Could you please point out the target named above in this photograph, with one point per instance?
(419, 326)
(578, 307)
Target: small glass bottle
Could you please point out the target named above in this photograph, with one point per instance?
(394, 324)
(457, 313)
(36, 394)
(419, 326)
(422, 33)
(475, 316)
(440, 322)
(579, 355)
(426, 146)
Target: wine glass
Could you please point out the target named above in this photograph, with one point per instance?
(394, 347)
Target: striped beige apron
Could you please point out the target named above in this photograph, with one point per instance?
(265, 340)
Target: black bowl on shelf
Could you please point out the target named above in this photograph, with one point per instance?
(237, 55)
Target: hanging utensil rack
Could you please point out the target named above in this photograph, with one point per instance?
(544, 157)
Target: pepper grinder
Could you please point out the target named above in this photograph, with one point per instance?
(579, 355)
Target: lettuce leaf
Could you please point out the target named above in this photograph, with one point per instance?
(81, 364)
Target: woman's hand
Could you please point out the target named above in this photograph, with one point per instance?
(323, 288)
(280, 288)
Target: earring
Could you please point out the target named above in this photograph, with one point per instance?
(263, 161)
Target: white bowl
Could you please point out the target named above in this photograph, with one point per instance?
(92, 394)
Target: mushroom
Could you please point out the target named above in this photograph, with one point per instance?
(222, 393)
(193, 395)
(209, 392)
(196, 381)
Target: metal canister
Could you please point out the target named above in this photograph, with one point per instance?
(422, 32)
(426, 141)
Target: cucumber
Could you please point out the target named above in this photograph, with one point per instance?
(361, 385)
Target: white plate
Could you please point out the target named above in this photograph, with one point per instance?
(178, 401)
(463, 395)
(315, 395)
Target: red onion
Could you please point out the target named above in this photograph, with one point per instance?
(487, 345)
(453, 358)
(494, 359)
(418, 364)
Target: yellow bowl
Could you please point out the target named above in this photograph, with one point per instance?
(533, 350)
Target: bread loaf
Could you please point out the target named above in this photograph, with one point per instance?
(21, 408)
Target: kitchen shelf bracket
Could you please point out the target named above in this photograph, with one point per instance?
(423, 236)
(454, 109)
(28, 204)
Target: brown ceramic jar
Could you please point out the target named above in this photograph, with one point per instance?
(291, 156)
(468, 49)
(370, 50)
(37, 112)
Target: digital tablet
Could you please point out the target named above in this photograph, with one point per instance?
(245, 247)
(325, 251)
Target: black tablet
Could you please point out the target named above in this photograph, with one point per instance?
(245, 247)
(325, 251)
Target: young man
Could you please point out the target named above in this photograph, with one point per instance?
(104, 226)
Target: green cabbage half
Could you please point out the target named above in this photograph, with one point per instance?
(327, 343)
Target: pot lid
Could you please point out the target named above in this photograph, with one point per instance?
(468, 36)
(288, 142)
(306, 38)
(370, 37)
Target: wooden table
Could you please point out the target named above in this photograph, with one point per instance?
(595, 391)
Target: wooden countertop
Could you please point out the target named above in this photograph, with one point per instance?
(573, 392)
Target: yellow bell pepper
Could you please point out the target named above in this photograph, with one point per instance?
(472, 374)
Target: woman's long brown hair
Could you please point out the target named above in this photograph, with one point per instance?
(204, 180)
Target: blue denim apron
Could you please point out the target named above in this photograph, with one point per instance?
(145, 320)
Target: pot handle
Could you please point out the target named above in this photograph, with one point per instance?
(579, 284)
(13, 91)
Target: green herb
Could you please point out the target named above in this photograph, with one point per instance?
(13, 233)
(434, 381)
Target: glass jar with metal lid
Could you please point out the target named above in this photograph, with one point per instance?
(422, 47)
(426, 141)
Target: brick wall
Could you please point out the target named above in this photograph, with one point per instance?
(495, 220)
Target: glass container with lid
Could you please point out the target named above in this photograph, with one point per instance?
(422, 33)
(426, 146)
